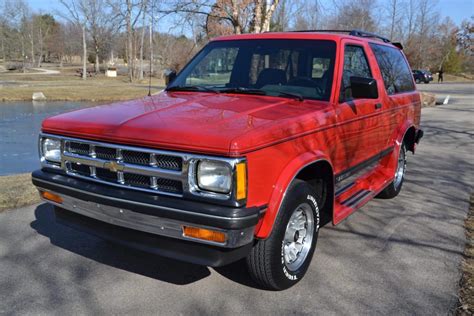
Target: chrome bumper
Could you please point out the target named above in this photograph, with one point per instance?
(147, 223)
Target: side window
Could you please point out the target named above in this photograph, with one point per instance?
(396, 73)
(355, 65)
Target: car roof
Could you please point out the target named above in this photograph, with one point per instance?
(304, 35)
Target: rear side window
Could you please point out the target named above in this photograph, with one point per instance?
(396, 74)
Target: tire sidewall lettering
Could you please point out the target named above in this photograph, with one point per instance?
(290, 275)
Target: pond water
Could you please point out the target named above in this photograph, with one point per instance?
(20, 123)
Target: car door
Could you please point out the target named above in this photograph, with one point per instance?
(358, 121)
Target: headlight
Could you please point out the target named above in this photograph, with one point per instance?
(51, 149)
(215, 176)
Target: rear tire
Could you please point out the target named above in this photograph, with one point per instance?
(417, 81)
(281, 260)
(394, 188)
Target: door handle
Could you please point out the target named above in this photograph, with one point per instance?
(378, 106)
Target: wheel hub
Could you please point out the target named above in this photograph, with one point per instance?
(298, 237)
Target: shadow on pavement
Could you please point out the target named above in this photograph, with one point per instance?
(116, 256)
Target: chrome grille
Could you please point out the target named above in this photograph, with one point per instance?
(105, 153)
(130, 167)
(79, 148)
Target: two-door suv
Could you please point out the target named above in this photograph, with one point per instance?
(255, 144)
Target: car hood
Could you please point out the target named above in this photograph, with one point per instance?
(221, 124)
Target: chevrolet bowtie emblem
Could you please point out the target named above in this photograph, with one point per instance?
(114, 166)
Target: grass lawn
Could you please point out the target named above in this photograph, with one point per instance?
(17, 191)
(67, 86)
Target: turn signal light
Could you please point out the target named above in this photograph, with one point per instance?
(204, 234)
(241, 171)
(51, 197)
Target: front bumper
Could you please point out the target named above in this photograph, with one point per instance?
(150, 222)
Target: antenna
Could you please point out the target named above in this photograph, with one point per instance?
(151, 48)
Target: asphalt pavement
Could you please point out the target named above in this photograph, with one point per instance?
(392, 257)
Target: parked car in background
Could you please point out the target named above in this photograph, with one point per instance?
(422, 76)
(258, 142)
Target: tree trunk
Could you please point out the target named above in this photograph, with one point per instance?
(97, 65)
(268, 16)
(142, 42)
(235, 18)
(151, 46)
(32, 40)
(394, 15)
(40, 57)
(84, 53)
(130, 56)
(257, 18)
(23, 53)
(4, 55)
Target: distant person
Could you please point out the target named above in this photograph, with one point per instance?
(440, 76)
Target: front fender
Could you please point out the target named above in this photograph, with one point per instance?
(281, 186)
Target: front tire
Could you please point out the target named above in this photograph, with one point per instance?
(394, 188)
(281, 260)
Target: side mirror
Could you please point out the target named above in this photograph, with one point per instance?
(169, 75)
(364, 88)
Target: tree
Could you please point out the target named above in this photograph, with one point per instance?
(76, 12)
(228, 16)
(355, 15)
(130, 12)
(43, 24)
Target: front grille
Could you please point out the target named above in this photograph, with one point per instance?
(128, 167)
(105, 153)
(79, 148)
(137, 180)
(136, 157)
(106, 175)
(83, 170)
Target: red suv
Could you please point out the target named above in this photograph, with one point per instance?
(259, 141)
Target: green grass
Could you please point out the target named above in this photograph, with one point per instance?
(17, 191)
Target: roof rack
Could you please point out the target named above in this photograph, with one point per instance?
(357, 33)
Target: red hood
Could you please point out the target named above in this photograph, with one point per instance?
(199, 122)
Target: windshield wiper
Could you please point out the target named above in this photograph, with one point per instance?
(191, 88)
(243, 90)
(296, 96)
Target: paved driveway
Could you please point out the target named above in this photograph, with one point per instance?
(398, 257)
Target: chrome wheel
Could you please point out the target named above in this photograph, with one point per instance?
(400, 172)
(298, 237)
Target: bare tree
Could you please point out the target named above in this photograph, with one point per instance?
(75, 13)
(355, 15)
(263, 12)
(130, 12)
(394, 16)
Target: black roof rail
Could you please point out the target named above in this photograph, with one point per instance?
(357, 33)
(368, 34)
(324, 31)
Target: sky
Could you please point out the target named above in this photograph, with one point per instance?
(457, 10)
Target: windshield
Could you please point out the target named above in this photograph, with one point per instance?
(286, 68)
